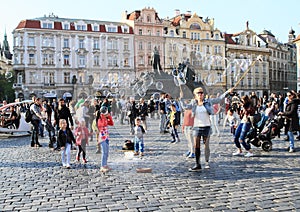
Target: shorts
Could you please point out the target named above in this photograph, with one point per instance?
(201, 131)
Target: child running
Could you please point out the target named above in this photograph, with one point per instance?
(82, 134)
(104, 120)
(65, 139)
(139, 131)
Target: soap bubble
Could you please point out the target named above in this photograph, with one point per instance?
(159, 85)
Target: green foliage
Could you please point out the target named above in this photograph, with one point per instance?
(6, 90)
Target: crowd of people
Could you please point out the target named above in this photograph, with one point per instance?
(77, 123)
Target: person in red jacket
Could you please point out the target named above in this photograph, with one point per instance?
(104, 120)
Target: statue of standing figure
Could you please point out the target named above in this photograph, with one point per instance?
(156, 60)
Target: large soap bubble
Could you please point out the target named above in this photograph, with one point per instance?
(159, 85)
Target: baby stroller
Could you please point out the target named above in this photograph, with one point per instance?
(263, 130)
(51, 131)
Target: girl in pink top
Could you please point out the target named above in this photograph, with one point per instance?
(82, 134)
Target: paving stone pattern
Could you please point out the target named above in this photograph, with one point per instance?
(33, 179)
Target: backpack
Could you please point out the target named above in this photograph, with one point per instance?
(28, 116)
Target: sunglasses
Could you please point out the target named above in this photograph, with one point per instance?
(200, 92)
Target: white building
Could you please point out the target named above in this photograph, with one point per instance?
(71, 57)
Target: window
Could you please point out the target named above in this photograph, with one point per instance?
(109, 44)
(126, 46)
(81, 61)
(66, 59)
(32, 77)
(140, 32)
(81, 27)
(207, 35)
(184, 48)
(31, 41)
(171, 33)
(47, 25)
(140, 45)
(67, 78)
(31, 59)
(184, 34)
(111, 29)
(141, 60)
(207, 49)
(249, 82)
(149, 32)
(49, 78)
(149, 60)
(81, 43)
(110, 61)
(126, 62)
(96, 60)
(96, 28)
(157, 33)
(48, 59)
(48, 42)
(148, 18)
(96, 44)
(66, 43)
(66, 27)
(217, 36)
(19, 78)
(149, 46)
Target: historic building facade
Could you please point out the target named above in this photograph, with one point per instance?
(297, 43)
(192, 40)
(282, 62)
(71, 57)
(148, 31)
(247, 62)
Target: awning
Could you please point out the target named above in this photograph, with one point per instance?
(49, 95)
(67, 95)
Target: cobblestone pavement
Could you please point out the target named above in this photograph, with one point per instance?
(33, 179)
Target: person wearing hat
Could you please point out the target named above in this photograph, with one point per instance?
(104, 120)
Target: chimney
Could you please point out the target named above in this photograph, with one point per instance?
(177, 12)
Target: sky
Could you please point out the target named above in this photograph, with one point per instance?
(230, 16)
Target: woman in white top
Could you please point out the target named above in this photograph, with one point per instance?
(201, 110)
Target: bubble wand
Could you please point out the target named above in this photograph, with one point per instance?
(259, 58)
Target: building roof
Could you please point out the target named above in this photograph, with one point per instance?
(228, 39)
(58, 24)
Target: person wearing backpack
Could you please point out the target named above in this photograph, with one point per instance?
(37, 116)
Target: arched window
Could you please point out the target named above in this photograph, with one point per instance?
(195, 26)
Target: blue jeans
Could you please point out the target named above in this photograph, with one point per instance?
(138, 144)
(240, 135)
(104, 151)
(66, 152)
(291, 137)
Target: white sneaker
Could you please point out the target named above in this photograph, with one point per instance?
(237, 153)
(206, 165)
(249, 154)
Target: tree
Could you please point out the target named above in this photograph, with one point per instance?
(6, 89)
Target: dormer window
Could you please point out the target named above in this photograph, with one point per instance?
(81, 27)
(111, 29)
(66, 26)
(96, 28)
(47, 25)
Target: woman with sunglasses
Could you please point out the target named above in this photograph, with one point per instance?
(201, 110)
(291, 114)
